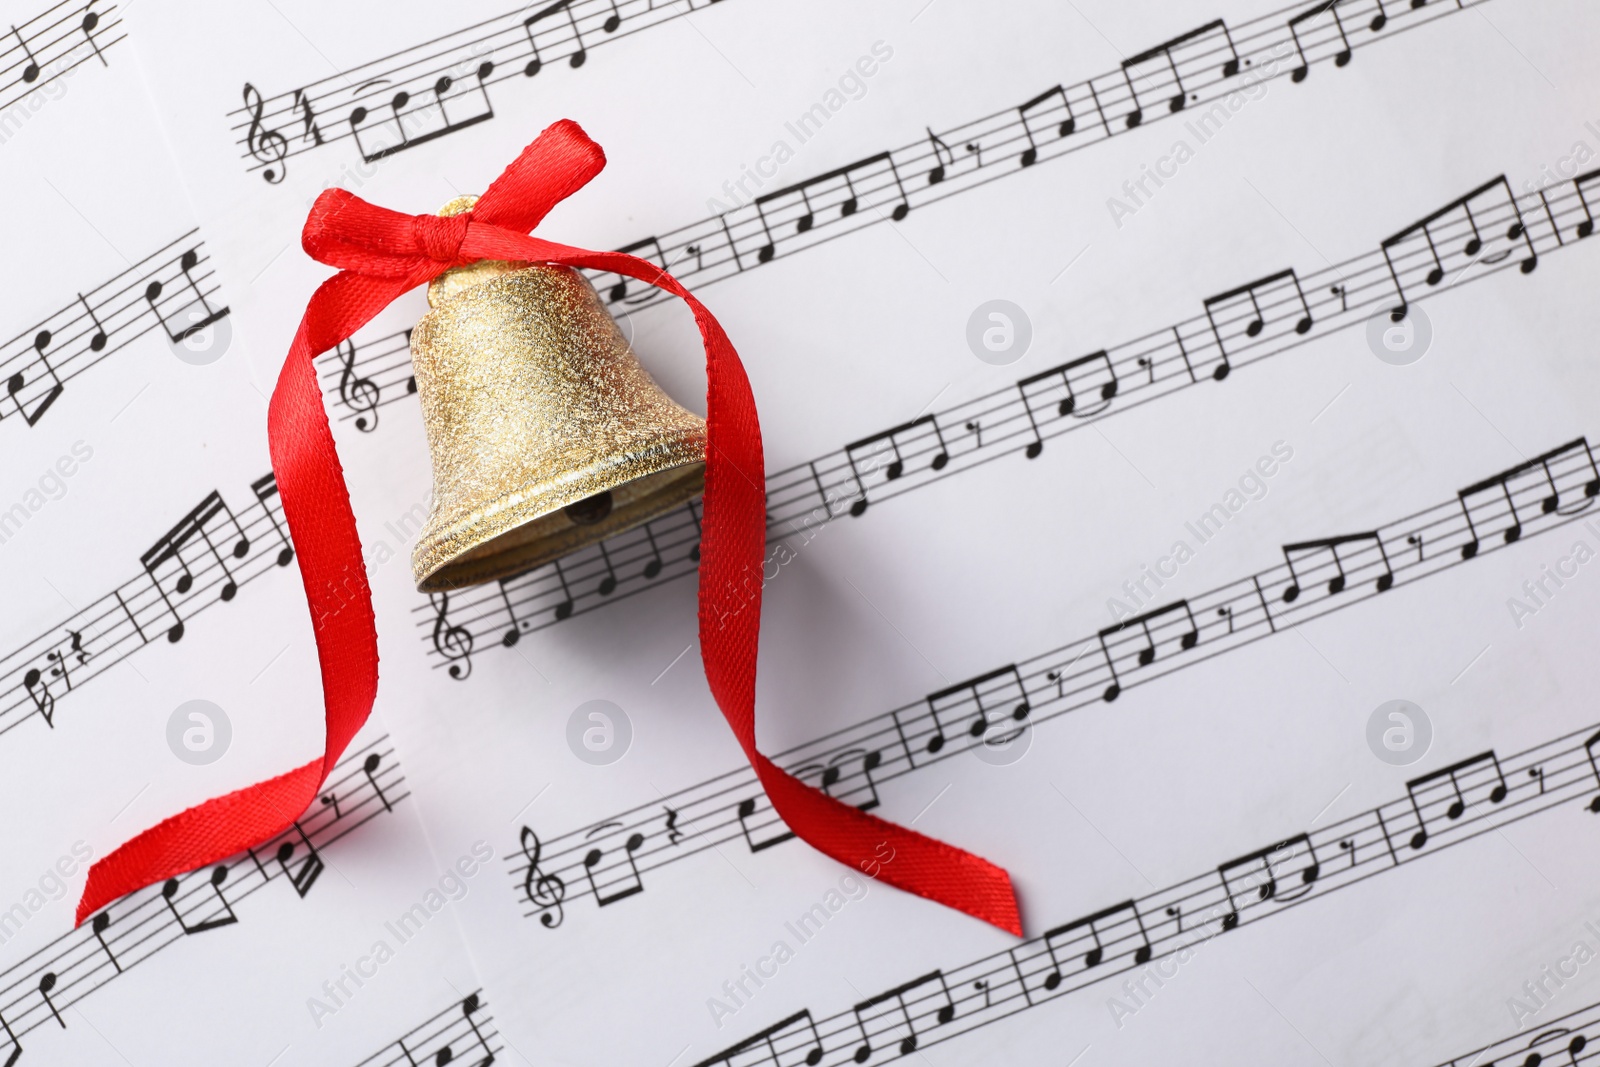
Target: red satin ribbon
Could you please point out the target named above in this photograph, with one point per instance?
(382, 254)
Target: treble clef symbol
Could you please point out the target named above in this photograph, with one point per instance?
(545, 891)
(268, 146)
(451, 642)
(357, 393)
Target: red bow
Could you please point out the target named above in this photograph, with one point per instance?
(383, 254)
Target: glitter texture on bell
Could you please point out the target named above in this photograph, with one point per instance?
(546, 432)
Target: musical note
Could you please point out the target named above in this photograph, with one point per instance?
(1147, 655)
(98, 341)
(513, 632)
(1325, 7)
(847, 206)
(1179, 98)
(608, 584)
(369, 767)
(1009, 693)
(747, 810)
(1258, 319)
(564, 609)
(1424, 228)
(219, 874)
(766, 1037)
(1267, 889)
(1331, 546)
(98, 926)
(943, 156)
(170, 547)
(152, 293)
(1098, 364)
(544, 891)
(1064, 128)
(908, 1044)
(267, 146)
(30, 72)
(1458, 806)
(592, 860)
(653, 567)
(869, 763)
(306, 876)
(47, 982)
(1588, 748)
(535, 63)
(16, 382)
(449, 640)
(360, 395)
(1093, 957)
(264, 487)
(620, 288)
(892, 438)
(1586, 227)
(1503, 480)
(469, 1007)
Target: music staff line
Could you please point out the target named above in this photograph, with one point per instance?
(204, 560)
(407, 98)
(173, 289)
(439, 1039)
(1237, 328)
(34, 991)
(1571, 1034)
(1461, 802)
(607, 860)
(888, 185)
(54, 43)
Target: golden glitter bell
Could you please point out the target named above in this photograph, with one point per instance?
(546, 432)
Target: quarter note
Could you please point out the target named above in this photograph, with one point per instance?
(98, 341)
(942, 155)
(369, 767)
(30, 72)
(1458, 805)
(47, 982)
(98, 926)
(608, 584)
(1331, 546)
(613, 20)
(1064, 127)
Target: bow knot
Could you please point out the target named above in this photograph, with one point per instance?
(440, 238)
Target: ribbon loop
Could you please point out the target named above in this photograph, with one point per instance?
(382, 254)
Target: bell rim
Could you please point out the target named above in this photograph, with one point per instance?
(439, 548)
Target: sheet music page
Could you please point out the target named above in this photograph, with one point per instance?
(1217, 375)
(157, 648)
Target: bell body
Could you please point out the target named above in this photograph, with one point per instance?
(546, 432)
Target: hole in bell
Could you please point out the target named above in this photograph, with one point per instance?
(589, 510)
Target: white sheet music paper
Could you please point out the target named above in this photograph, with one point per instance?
(157, 648)
(1222, 569)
